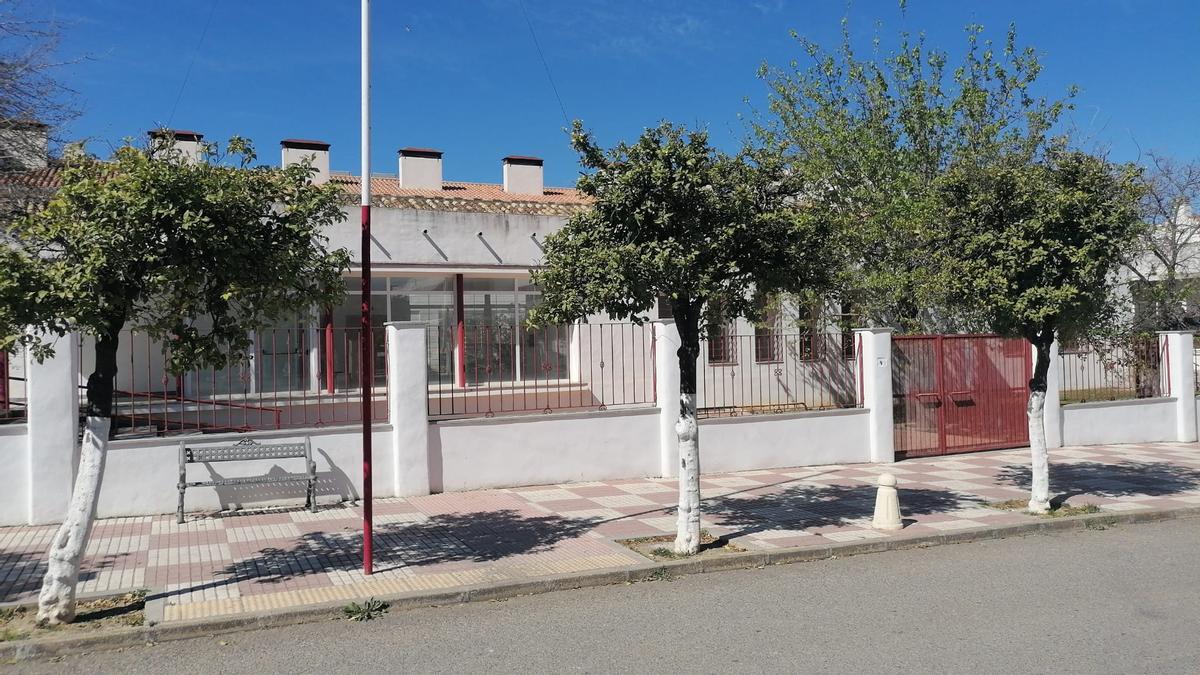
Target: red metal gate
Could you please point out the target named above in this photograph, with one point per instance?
(959, 393)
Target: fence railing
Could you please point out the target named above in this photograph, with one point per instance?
(505, 369)
(1131, 369)
(775, 373)
(304, 377)
(1196, 369)
(12, 387)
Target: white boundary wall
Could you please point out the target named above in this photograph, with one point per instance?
(14, 472)
(1140, 421)
(773, 441)
(544, 449)
(414, 456)
(1147, 420)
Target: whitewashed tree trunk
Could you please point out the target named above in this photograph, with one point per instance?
(687, 537)
(56, 603)
(1039, 498)
(1039, 468)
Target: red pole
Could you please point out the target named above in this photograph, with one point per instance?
(460, 338)
(366, 376)
(366, 370)
(329, 360)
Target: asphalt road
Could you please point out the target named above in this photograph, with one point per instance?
(1123, 600)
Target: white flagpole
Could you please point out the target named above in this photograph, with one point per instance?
(366, 353)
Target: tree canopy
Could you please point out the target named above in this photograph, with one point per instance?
(868, 137)
(1032, 247)
(672, 218)
(192, 253)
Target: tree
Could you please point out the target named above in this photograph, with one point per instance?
(1032, 247)
(195, 254)
(869, 137)
(708, 232)
(1165, 263)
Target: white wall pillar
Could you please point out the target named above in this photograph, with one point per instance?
(666, 393)
(52, 395)
(1052, 418)
(874, 373)
(253, 362)
(575, 355)
(408, 396)
(1182, 374)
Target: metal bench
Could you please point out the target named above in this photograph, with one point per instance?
(247, 450)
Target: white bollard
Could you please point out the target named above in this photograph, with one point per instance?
(887, 504)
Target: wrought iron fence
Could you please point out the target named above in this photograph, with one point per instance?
(775, 373)
(302, 377)
(1132, 367)
(498, 369)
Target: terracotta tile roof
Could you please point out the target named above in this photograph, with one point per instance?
(386, 192)
(48, 178)
(462, 196)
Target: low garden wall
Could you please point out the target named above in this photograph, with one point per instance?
(1134, 421)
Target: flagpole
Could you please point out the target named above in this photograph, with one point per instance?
(366, 368)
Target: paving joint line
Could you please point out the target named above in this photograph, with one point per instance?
(38, 648)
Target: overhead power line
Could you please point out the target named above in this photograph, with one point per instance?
(187, 73)
(542, 56)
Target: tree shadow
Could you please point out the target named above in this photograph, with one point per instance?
(807, 506)
(1154, 479)
(21, 572)
(466, 537)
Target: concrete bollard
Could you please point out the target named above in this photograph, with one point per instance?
(887, 504)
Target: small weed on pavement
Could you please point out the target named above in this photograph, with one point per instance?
(369, 609)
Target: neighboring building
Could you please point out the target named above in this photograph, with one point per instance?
(456, 257)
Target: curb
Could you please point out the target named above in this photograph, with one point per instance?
(23, 650)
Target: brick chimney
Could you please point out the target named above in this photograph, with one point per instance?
(420, 169)
(296, 150)
(523, 175)
(189, 143)
(24, 145)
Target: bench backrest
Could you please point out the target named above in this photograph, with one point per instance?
(242, 451)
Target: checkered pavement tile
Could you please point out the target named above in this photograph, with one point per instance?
(251, 561)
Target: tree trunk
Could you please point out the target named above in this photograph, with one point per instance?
(1039, 498)
(687, 536)
(56, 602)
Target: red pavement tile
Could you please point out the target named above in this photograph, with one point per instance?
(472, 536)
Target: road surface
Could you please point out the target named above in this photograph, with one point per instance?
(1122, 600)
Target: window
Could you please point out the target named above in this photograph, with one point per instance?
(722, 343)
(768, 337)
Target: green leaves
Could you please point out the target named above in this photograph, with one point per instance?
(193, 253)
(865, 139)
(672, 217)
(1032, 247)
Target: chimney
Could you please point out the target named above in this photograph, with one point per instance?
(190, 144)
(420, 169)
(1183, 213)
(296, 150)
(523, 175)
(24, 145)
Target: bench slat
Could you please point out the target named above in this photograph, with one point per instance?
(252, 480)
(245, 453)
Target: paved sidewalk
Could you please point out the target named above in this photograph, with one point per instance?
(236, 563)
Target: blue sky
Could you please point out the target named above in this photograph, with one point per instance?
(465, 77)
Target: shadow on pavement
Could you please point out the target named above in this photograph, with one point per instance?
(1154, 479)
(811, 506)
